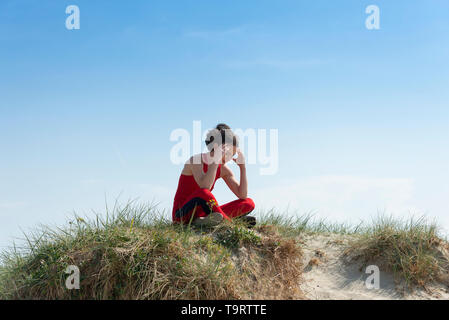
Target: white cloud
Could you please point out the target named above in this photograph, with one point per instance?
(341, 198)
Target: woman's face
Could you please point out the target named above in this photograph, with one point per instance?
(229, 152)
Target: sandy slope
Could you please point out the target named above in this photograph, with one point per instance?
(328, 275)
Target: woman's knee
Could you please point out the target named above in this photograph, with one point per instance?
(249, 203)
(244, 207)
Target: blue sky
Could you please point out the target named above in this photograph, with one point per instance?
(86, 114)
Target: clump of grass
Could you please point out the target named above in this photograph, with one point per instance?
(133, 252)
(236, 235)
(271, 270)
(413, 250)
(290, 225)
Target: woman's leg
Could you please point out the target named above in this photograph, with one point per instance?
(238, 208)
(202, 203)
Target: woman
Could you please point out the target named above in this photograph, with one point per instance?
(194, 202)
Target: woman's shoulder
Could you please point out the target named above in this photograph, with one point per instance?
(194, 160)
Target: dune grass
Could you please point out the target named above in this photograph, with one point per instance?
(134, 252)
(293, 225)
(414, 250)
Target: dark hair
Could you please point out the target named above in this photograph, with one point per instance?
(224, 131)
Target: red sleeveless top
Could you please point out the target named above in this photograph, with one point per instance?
(187, 186)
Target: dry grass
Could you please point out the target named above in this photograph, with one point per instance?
(134, 254)
(272, 270)
(413, 250)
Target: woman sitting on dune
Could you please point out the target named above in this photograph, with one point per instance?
(194, 202)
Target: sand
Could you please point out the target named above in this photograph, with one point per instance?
(329, 275)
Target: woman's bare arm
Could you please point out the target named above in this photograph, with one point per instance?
(239, 189)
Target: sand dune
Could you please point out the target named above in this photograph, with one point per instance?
(329, 275)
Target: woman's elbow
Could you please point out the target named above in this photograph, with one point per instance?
(243, 196)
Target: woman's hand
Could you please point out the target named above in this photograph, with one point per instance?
(240, 160)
